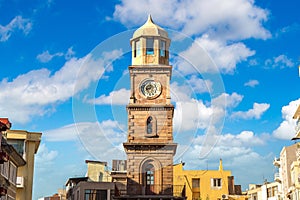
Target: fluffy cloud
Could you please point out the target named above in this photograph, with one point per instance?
(281, 61)
(210, 55)
(200, 85)
(45, 156)
(251, 83)
(17, 23)
(255, 113)
(215, 48)
(286, 129)
(46, 56)
(118, 97)
(106, 136)
(227, 101)
(237, 19)
(236, 151)
(192, 114)
(33, 93)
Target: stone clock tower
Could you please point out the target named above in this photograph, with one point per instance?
(149, 147)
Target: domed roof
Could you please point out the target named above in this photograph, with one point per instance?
(150, 29)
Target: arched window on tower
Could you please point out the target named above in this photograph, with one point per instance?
(150, 125)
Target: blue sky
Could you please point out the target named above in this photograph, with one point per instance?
(235, 72)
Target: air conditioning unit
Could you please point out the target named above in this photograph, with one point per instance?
(224, 196)
(20, 182)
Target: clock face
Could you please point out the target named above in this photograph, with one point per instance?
(150, 88)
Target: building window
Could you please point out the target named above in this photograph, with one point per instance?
(150, 46)
(196, 183)
(149, 174)
(162, 48)
(149, 125)
(150, 177)
(137, 48)
(12, 173)
(216, 182)
(95, 195)
(100, 176)
(18, 145)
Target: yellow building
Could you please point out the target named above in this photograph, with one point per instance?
(26, 143)
(97, 171)
(207, 184)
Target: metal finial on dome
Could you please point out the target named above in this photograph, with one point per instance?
(150, 18)
(150, 29)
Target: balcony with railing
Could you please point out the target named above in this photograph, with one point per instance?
(297, 128)
(277, 177)
(276, 162)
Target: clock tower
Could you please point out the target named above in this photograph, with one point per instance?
(149, 146)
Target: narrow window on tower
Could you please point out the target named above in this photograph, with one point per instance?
(134, 48)
(150, 125)
(150, 46)
(138, 47)
(162, 48)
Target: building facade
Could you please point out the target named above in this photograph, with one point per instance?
(207, 184)
(284, 163)
(267, 191)
(288, 175)
(26, 144)
(150, 147)
(10, 161)
(99, 183)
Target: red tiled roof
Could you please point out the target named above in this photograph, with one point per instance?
(6, 122)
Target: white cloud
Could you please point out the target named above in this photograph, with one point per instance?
(286, 129)
(215, 31)
(44, 156)
(33, 93)
(200, 85)
(236, 151)
(254, 113)
(192, 114)
(227, 101)
(118, 97)
(211, 55)
(281, 61)
(180, 92)
(70, 53)
(251, 83)
(46, 56)
(237, 19)
(106, 137)
(17, 23)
